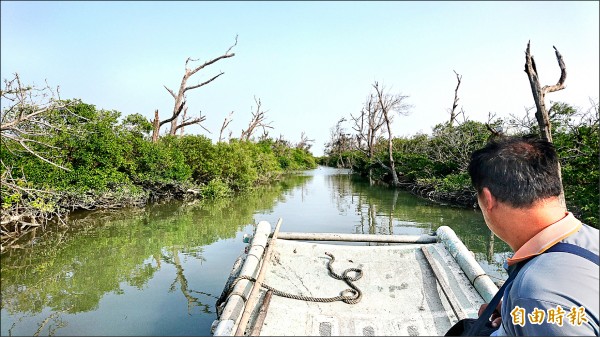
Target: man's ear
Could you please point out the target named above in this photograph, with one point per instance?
(487, 198)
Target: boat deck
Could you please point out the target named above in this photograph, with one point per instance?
(402, 294)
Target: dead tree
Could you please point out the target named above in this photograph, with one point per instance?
(539, 96)
(257, 121)
(155, 126)
(29, 116)
(368, 126)
(496, 131)
(523, 123)
(184, 118)
(226, 122)
(339, 143)
(453, 112)
(390, 104)
(539, 92)
(304, 143)
(24, 119)
(180, 98)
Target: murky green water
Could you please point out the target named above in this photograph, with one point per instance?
(159, 270)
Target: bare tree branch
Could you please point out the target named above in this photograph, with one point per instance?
(391, 103)
(203, 83)
(368, 125)
(173, 117)
(563, 74)
(26, 116)
(179, 98)
(225, 124)
(453, 113)
(184, 118)
(539, 92)
(304, 143)
(257, 121)
(539, 96)
(170, 92)
(340, 142)
(197, 120)
(227, 54)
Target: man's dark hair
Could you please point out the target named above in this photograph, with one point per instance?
(517, 170)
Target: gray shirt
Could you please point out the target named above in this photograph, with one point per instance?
(551, 282)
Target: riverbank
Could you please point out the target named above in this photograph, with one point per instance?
(38, 209)
(465, 198)
(435, 191)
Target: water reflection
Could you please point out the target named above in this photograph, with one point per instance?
(52, 279)
(383, 210)
(159, 270)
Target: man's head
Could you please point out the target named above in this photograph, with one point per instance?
(518, 171)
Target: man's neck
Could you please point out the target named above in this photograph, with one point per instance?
(522, 224)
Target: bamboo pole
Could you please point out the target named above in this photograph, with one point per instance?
(458, 311)
(261, 275)
(262, 314)
(358, 237)
(236, 300)
(465, 259)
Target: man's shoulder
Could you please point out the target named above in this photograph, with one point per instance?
(554, 283)
(586, 237)
(560, 278)
(558, 267)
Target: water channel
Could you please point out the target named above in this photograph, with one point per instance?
(159, 270)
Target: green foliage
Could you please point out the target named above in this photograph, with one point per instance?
(235, 165)
(449, 183)
(415, 166)
(199, 156)
(345, 159)
(290, 158)
(72, 155)
(240, 164)
(158, 162)
(577, 144)
(267, 164)
(304, 159)
(452, 145)
(9, 198)
(103, 155)
(137, 124)
(215, 189)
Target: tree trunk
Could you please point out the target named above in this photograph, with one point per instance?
(371, 153)
(368, 126)
(539, 95)
(453, 112)
(388, 104)
(539, 92)
(395, 180)
(155, 127)
(180, 98)
(183, 118)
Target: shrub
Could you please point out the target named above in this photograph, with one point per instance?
(216, 188)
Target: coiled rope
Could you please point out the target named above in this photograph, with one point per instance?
(350, 296)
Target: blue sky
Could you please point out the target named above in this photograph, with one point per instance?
(310, 63)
